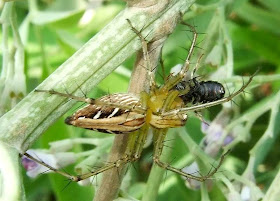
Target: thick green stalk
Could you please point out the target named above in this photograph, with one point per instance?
(273, 192)
(10, 174)
(157, 173)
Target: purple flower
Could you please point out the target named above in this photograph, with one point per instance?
(214, 132)
(54, 160)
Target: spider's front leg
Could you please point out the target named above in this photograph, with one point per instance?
(145, 49)
(173, 80)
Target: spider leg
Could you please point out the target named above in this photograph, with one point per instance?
(200, 117)
(93, 101)
(133, 153)
(164, 165)
(81, 177)
(70, 177)
(174, 80)
(136, 142)
(191, 49)
(196, 66)
(67, 95)
(162, 66)
(144, 43)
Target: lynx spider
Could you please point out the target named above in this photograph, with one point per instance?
(124, 113)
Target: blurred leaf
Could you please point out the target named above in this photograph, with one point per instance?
(101, 17)
(57, 19)
(114, 83)
(137, 189)
(71, 192)
(60, 5)
(266, 45)
(69, 42)
(257, 16)
(245, 58)
(175, 189)
(271, 4)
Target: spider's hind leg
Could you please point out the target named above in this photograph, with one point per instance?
(77, 178)
(164, 165)
(132, 154)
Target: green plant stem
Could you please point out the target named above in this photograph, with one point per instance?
(258, 80)
(273, 192)
(12, 81)
(228, 176)
(157, 173)
(10, 174)
(204, 192)
(249, 117)
(5, 38)
(259, 152)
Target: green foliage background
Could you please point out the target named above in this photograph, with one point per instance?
(52, 36)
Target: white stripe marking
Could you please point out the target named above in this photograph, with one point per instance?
(97, 115)
(114, 112)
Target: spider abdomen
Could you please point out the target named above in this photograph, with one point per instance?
(109, 118)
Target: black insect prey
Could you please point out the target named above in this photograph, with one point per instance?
(201, 92)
